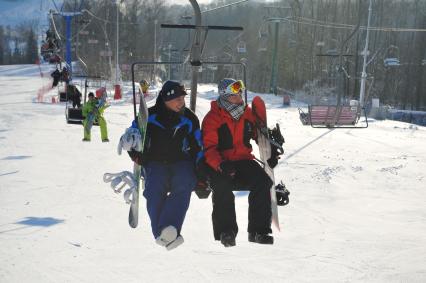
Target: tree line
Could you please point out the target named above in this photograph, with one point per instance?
(18, 45)
(307, 35)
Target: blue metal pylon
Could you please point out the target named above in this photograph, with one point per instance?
(68, 18)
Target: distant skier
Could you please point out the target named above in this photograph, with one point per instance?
(173, 149)
(93, 107)
(56, 75)
(227, 130)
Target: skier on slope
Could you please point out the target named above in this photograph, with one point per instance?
(91, 107)
(173, 150)
(227, 130)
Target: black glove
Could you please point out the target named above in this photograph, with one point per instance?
(136, 156)
(282, 194)
(202, 170)
(202, 189)
(227, 168)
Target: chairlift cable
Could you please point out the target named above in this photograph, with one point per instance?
(54, 4)
(54, 27)
(224, 6)
(314, 22)
(108, 21)
(72, 37)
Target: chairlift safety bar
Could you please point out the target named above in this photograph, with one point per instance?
(202, 27)
(181, 63)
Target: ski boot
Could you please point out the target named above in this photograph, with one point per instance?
(261, 238)
(227, 239)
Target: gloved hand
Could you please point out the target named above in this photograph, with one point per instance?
(131, 140)
(227, 168)
(202, 170)
(202, 189)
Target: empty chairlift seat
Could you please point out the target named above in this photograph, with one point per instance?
(332, 116)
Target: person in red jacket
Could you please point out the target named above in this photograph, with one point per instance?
(227, 130)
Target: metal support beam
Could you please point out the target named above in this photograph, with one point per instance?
(147, 63)
(195, 55)
(364, 66)
(274, 71)
(202, 27)
(197, 46)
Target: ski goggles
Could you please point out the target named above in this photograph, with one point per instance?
(235, 88)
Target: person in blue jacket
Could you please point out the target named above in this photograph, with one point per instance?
(172, 152)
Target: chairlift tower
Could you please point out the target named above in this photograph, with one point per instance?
(68, 18)
(274, 15)
(273, 81)
(197, 46)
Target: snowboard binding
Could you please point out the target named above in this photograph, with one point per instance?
(275, 135)
(282, 194)
(121, 180)
(277, 140)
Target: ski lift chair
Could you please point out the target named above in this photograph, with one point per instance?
(62, 91)
(263, 42)
(333, 116)
(73, 115)
(392, 62)
(392, 57)
(241, 47)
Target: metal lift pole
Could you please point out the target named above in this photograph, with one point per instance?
(364, 66)
(195, 54)
(273, 84)
(197, 46)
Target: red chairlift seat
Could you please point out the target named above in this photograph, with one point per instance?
(332, 116)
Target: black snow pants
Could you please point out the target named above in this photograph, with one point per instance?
(249, 176)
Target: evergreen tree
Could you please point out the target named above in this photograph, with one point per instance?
(31, 48)
(2, 42)
(17, 54)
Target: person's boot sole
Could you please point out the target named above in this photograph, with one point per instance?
(167, 236)
(174, 244)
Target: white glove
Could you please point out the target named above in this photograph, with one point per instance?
(130, 140)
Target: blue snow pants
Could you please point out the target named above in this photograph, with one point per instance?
(167, 191)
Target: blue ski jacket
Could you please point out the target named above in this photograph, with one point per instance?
(171, 136)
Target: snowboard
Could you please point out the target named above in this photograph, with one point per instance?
(264, 141)
(92, 115)
(142, 122)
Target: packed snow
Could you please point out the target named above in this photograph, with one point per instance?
(357, 210)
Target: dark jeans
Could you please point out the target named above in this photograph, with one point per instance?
(249, 176)
(167, 191)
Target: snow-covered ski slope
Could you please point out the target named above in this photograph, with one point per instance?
(357, 209)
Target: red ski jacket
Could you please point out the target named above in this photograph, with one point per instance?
(226, 139)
